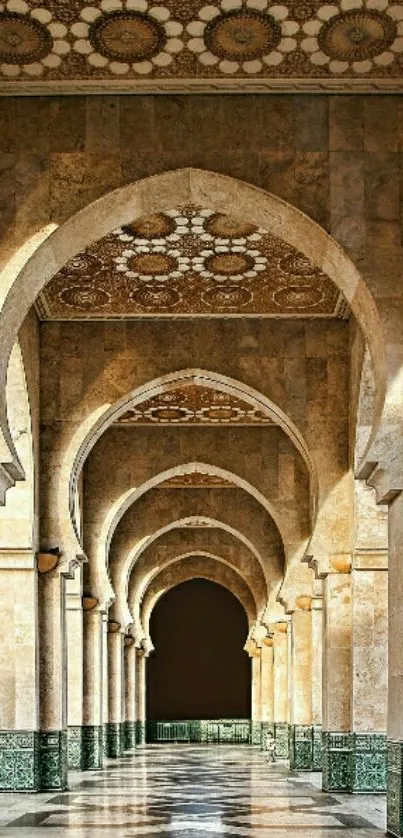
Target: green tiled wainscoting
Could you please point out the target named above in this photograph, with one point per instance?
(114, 743)
(53, 760)
(129, 736)
(301, 747)
(200, 730)
(317, 761)
(266, 735)
(281, 736)
(140, 733)
(368, 762)
(19, 760)
(256, 733)
(354, 762)
(74, 748)
(395, 788)
(92, 753)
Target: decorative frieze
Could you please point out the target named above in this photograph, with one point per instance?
(53, 760)
(281, 735)
(74, 748)
(19, 760)
(92, 747)
(114, 740)
(395, 788)
(301, 747)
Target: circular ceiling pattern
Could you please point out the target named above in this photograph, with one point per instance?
(242, 35)
(127, 36)
(23, 40)
(205, 264)
(357, 35)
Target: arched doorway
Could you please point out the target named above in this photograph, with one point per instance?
(199, 670)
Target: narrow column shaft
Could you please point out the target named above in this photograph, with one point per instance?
(280, 688)
(301, 690)
(395, 675)
(105, 690)
(140, 688)
(115, 691)
(130, 694)
(336, 682)
(256, 697)
(53, 682)
(94, 674)
(317, 655)
(267, 690)
(74, 630)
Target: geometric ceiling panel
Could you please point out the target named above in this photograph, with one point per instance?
(196, 480)
(190, 261)
(71, 45)
(194, 405)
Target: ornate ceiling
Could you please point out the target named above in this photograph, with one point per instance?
(71, 45)
(194, 405)
(190, 262)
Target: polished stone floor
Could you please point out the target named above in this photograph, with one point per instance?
(185, 791)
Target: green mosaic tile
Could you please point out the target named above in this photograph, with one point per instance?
(368, 762)
(281, 735)
(200, 730)
(256, 733)
(317, 761)
(301, 747)
(19, 760)
(129, 736)
(140, 733)
(53, 760)
(74, 748)
(114, 740)
(395, 788)
(267, 735)
(336, 755)
(92, 747)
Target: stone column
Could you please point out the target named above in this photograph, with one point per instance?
(256, 697)
(105, 690)
(74, 629)
(52, 677)
(19, 683)
(395, 676)
(280, 687)
(267, 690)
(93, 676)
(337, 679)
(369, 647)
(140, 687)
(114, 737)
(301, 690)
(317, 654)
(130, 693)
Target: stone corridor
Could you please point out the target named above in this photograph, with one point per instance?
(197, 791)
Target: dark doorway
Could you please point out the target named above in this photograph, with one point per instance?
(199, 669)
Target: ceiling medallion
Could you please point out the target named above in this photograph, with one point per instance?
(242, 35)
(84, 297)
(229, 264)
(23, 40)
(127, 36)
(227, 297)
(296, 297)
(150, 227)
(156, 296)
(222, 226)
(357, 35)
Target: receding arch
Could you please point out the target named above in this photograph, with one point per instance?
(20, 287)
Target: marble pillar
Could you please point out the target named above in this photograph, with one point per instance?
(93, 686)
(369, 648)
(256, 697)
(105, 692)
(301, 748)
(267, 692)
(336, 681)
(395, 675)
(140, 689)
(280, 689)
(316, 683)
(74, 630)
(52, 682)
(130, 693)
(19, 683)
(114, 732)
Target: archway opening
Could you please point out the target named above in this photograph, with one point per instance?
(199, 669)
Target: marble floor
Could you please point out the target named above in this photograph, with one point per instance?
(185, 791)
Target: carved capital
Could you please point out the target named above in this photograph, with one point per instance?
(113, 626)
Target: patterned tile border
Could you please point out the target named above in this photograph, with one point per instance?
(74, 748)
(231, 731)
(301, 747)
(140, 733)
(281, 736)
(92, 747)
(53, 760)
(129, 736)
(19, 760)
(267, 735)
(354, 762)
(256, 733)
(114, 740)
(395, 788)
(317, 761)
(336, 761)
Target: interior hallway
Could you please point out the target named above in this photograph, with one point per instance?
(198, 791)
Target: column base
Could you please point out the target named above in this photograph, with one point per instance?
(74, 748)
(395, 788)
(281, 736)
(92, 747)
(336, 761)
(53, 760)
(301, 747)
(140, 733)
(317, 761)
(114, 743)
(368, 763)
(129, 736)
(266, 735)
(255, 733)
(19, 760)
